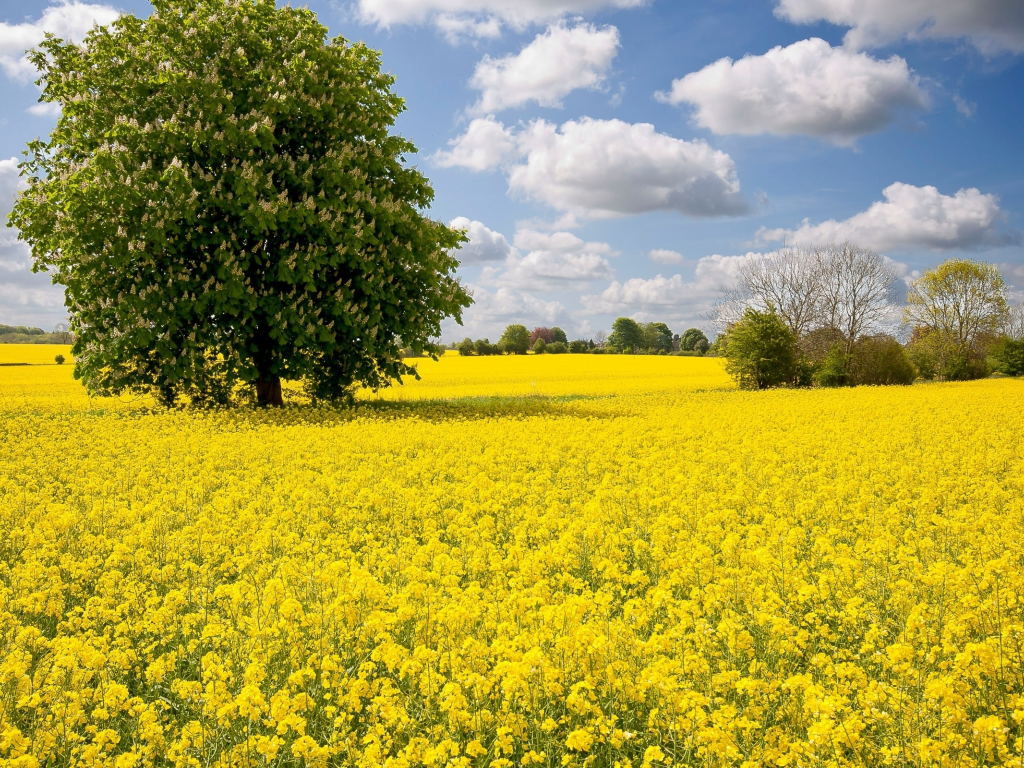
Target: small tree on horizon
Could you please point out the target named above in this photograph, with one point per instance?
(224, 202)
(627, 335)
(690, 337)
(515, 340)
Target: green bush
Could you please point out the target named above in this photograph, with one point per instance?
(59, 359)
(540, 347)
(760, 350)
(483, 347)
(1008, 356)
(833, 370)
(578, 347)
(881, 361)
(557, 348)
(690, 338)
(465, 347)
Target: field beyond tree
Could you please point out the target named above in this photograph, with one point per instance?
(526, 560)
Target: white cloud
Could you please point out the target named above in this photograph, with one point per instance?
(485, 245)
(68, 21)
(547, 261)
(556, 63)
(602, 168)
(991, 25)
(910, 217)
(663, 256)
(457, 28)
(25, 297)
(45, 109)
(672, 299)
(963, 106)
(609, 168)
(484, 146)
(808, 87)
(492, 311)
(470, 17)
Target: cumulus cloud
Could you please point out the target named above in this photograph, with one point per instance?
(609, 168)
(457, 28)
(910, 217)
(663, 256)
(673, 299)
(68, 21)
(485, 245)
(492, 310)
(484, 146)
(602, 168)
(808, 88)
(479, 17)
(547, 261)
(557, 62)
(992, 26)
(25, 297)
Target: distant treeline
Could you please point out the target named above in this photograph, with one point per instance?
(23, 334)
(627, 337)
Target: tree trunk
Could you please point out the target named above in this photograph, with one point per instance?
(268, 391)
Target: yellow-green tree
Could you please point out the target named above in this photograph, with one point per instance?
(955, 309)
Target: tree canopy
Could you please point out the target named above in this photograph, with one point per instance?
(515, 340)
(760, 349)
(626, 335)
(224, 202)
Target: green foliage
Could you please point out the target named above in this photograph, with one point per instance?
(690, 338)
(760, 350)
(484, 348)
(59, 359)
(557, 334)
(20, 329)
(701, 346)
(540, 346)
(627, 335)
(515, 340)
(557, 348)
(717, 348)
(1008, 356)
(465, 347)
(880, 361)
(939, 355)
(22, 334)
(956, 309)
(578, 347)
(224, 202)
(833, 369)
(657, 337)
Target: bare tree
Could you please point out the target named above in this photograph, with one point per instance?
(788, 280)
(856, 294)
(62, 334)
(1014, 324)
(600, 337)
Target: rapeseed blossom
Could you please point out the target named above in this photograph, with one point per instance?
(639, 567)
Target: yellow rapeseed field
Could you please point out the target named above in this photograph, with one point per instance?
(555, 561)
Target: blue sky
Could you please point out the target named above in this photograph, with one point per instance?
(622, 157)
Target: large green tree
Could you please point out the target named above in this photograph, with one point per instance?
(224, 202)
(626, 335)
(515, 340)
(657, 336)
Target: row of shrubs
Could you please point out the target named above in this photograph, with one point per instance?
(762, 352)
(627, 337)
